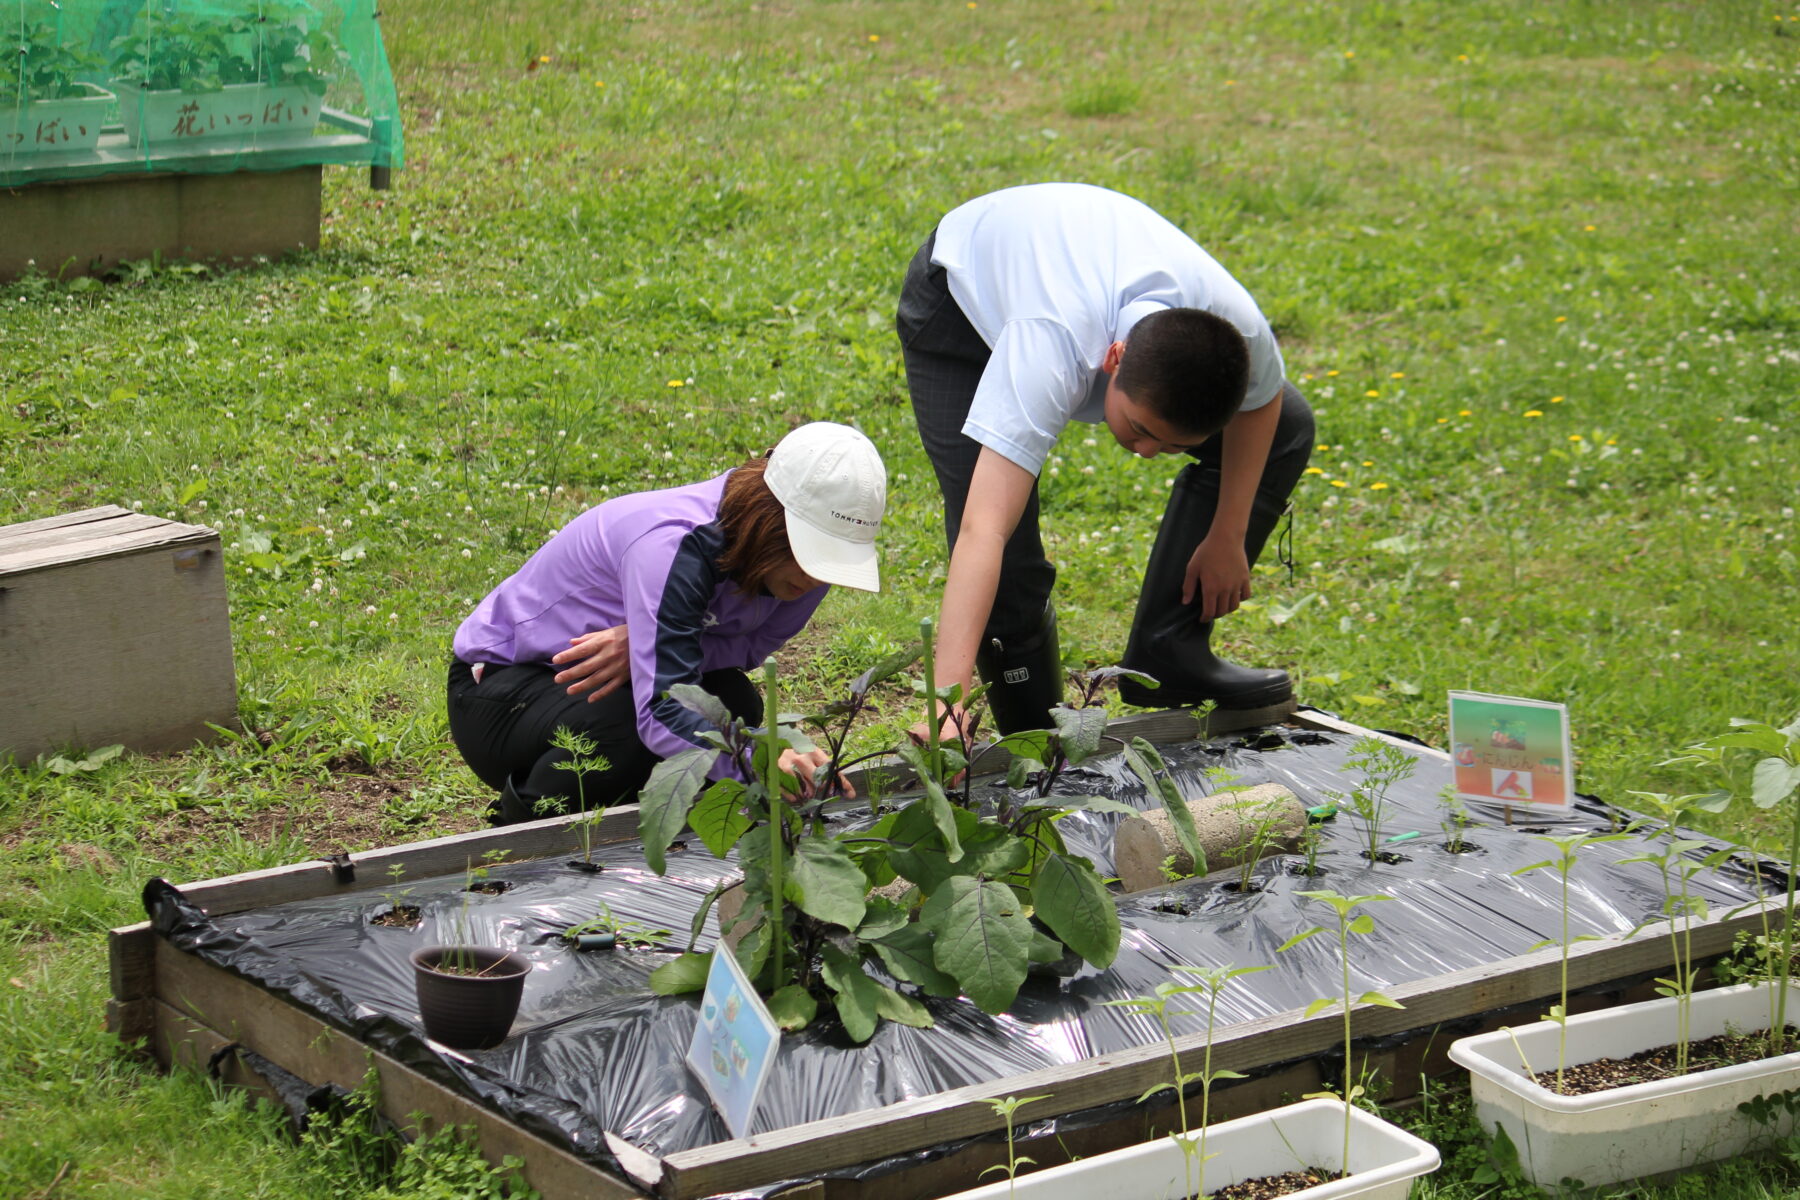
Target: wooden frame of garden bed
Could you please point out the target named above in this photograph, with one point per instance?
(192, 1013)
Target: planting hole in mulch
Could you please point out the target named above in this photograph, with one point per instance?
(1604, 1074)
(489, 887)
(1306, 872)
(1236, 888)
(1177, 907)
(1266, 1187)
(1387, 857)
(401, 916)
(1464, 847)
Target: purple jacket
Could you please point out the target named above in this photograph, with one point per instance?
(648, 561)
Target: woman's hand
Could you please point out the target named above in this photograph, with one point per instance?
(601, 663)
(803, 765)
(950, 733)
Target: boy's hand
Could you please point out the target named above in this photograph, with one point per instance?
(1219, 574)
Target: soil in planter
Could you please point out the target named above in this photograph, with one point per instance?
(1266, 1187)
(401, 916)
(1646, 1066)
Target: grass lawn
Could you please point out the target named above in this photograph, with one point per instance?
(1536, 266)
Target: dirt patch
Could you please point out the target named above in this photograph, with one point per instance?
(344, 814)
(1265, 1187)
(1604, 1074)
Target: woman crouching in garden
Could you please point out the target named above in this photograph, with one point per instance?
(694, 584)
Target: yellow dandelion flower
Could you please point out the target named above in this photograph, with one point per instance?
(1465, 412)
(1372, 393)
(1589, 228)
(1322, 446)
(1377, 486)
(1349, 54)
(599, 83)
(1576, 437)
(1612, 441)
(1339, 483)
(1231, 83)
(972, 5)
(874, 37)
(1556, 399)
(1560, 320)
(1397, 375)
(1532, 412)
(677, 383)
(1315, 470)
(543, 58)
(1306, 379)
(1462, 58)
(1443, 420)
(1368, 462)
(1329, 374)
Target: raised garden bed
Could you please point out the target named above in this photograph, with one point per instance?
(589, 1089)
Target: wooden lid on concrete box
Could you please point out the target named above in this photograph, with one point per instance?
(113, 629)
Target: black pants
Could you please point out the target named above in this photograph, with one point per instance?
(944, 361)
(502, 728)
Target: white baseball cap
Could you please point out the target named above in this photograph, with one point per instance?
(831, 481)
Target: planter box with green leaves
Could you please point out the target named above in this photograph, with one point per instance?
(44, 107)
(210, 80)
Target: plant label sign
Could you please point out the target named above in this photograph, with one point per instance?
(734, 1042)
(1506, 750)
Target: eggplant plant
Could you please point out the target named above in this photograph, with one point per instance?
(809, 926)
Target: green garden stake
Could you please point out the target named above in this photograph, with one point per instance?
(1403, 837)
(1320, 812)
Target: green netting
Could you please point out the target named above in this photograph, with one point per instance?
(102, 87)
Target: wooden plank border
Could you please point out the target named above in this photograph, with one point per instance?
(964, 1112)
(201, 1008)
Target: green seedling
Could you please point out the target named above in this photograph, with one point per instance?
(1775, 780)
(1381, 764)
(1568, 851)
(1211, 981)
(460, 960)
(633, 934)
(1456, 821)
(1680, 906)
(396, 896)
(582, 762)
(1349, 923)
(1005, 1108)
(1260, 820)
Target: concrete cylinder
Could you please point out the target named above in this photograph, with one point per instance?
(1227, 823)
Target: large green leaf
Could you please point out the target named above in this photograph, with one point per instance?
(684, 974)
(1149, 767)
(901, 1009)
(934, 802)
(1080, 731)
(858, 1005)
(1071, 900)
(881, 917)
(697, 699)
(918, 852)
(886, 669)
(1774, 781)
(983, 939)
(792, 1007)
(908, 954)
(666, 797)
(826, 882)
(718, 817)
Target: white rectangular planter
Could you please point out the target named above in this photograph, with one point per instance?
(1384, 1160)
(1636, 1131)
(67, 126)
(167, 121)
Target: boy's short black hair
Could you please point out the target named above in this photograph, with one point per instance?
(1188, 366)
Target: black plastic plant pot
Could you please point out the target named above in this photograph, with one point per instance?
(472, 1008)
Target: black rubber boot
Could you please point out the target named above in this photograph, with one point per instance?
(509, 808)
(1024, 677)
(1168, 642)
